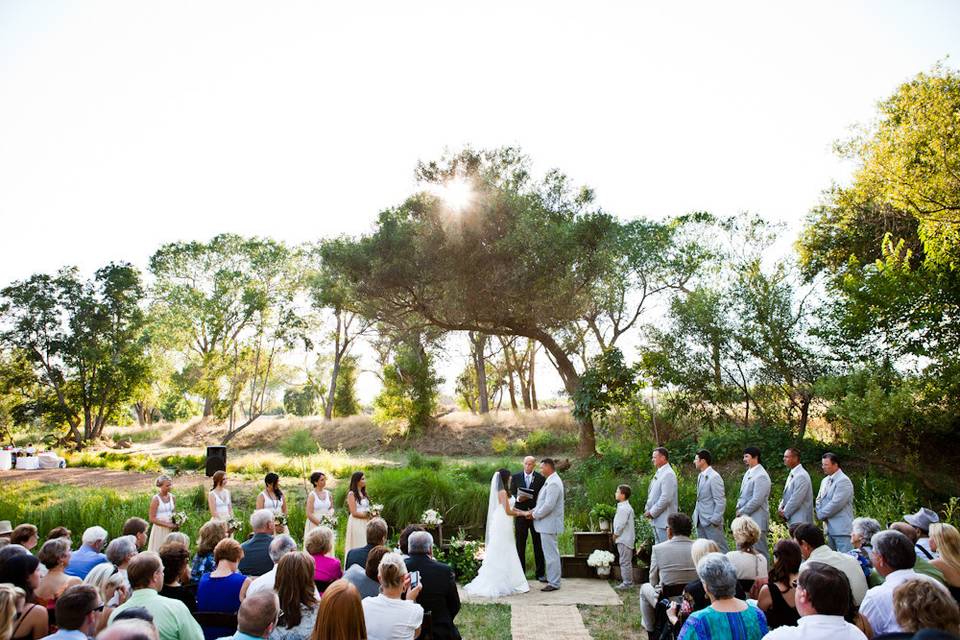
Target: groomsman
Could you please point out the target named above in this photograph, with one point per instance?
(711, 501)
(835, 503)
(754, 500)
(532, 480)
(662, 496)
(796, 506)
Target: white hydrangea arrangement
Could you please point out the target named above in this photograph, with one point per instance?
(431, 517)
(600, 558)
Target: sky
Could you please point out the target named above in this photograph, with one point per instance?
(125, 125)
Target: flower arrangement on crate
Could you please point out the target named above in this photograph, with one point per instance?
(178, 518)
(431, 517)
(601, 561)
(464, 557)
(603, 515)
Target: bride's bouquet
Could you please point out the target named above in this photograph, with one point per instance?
(431, 517)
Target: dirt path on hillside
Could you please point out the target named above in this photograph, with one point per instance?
(108, 478)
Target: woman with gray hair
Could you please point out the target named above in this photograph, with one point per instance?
(727, 617)
(862, 531)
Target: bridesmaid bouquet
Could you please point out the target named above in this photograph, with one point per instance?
(280, 519)
(431, 517)
(328, 520)
(234, 525)
(178, 518)
(376, 510)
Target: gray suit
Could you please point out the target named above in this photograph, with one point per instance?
(662, 500)
(548, 522)
(711, 502)
(797, 501)
(835, 509)
(754, 501)
(671, 563)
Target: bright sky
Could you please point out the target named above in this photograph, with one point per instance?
(126, 124)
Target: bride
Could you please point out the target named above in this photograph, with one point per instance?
(501, 573)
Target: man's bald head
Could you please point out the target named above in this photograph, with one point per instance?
(258, 614)
(906, 529)
(129, 629)
(528, 464)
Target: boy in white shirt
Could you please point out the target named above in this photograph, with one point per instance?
(624, 535)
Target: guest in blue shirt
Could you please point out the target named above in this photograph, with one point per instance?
(257, 617)
(222, 589)
(88, 555)
(78, 612)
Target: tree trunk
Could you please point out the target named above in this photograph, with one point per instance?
(233, 432)
(531, 376)
(512, 386)
(479, 342)
(804, 415)
(208, 407)
(328, 407)
(571, 383)
(138, 408)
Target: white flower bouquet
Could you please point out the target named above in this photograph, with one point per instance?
(234, 524)
(280, 519)
(375, 510)
(600, 558)
(431, 517)
(328, 520)
(178, 518)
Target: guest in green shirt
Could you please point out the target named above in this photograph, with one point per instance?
(171, 617)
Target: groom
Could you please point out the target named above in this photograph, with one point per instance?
(531, 481)
(547, 519)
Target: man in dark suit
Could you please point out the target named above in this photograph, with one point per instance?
(376, 535)
(256, 551)
(532, 480)
(439, 596)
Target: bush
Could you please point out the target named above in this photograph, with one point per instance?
(464, 557)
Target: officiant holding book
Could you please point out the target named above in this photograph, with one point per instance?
(526, 487)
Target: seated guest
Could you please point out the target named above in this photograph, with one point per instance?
(394, 614)
(860, 534)
(405, 535)
(120, 551)
(439, 595)
(823, 600)
(694, 597)
(727, 617)
(59, 532)
(298, 597)
(751, 565)
(178, 537)
(23, 571)
(78, 613)
(257, 617)
(922, 566)
(88, 555)
(921, 522)
(365, 579)
(256, 550)
(777, 598)
(376, 536)
(813, 548)
(176, 574)
(55, 556)
(211, 533)
(134, 613)
(341, 613)
(108, 583)
(223, 589)
(24, 535)
(171, 617)
(11, 602)
(136, 527)
(945, 542)
(671, 565)
(130, 629)
(921, 604)
(893, 558)
(279, 547)
(319, 544)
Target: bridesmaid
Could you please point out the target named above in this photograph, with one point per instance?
(319, 502)
(161, 514)
(221, 507)
(358, 504)
(272, 497)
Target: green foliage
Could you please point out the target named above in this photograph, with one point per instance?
(345, 402)
(464, 557)
(608, 382)
(301, 401)
(408, 398)
(603, 511)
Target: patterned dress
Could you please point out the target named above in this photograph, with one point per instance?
(710, 624)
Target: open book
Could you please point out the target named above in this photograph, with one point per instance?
(525, 492)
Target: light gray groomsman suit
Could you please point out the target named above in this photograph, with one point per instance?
(662, 500)
(835, 509)
(711, 502)
(797, 501)
(754, 501)
(548, 522)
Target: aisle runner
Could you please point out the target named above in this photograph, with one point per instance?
(557, 622)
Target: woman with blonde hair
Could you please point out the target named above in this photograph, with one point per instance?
(922, 604)
(341, 614)
(319, 502)
(750, 564)
(945, 540)
(10, 597)
(161, 514)
(221, 506)
(109, 583)
(389, 615)
(298, 597)
(210, 535)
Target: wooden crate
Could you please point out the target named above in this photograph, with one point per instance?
(586, 542)
(576, 567)
(640, 574)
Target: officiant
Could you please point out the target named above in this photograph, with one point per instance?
(525, 487)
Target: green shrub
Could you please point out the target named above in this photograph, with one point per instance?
(464, 557)
(499, 445)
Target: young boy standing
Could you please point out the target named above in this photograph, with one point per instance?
(624, 535)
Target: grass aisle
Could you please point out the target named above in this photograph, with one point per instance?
(484, 621)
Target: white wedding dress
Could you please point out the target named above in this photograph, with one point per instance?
(500, 573)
